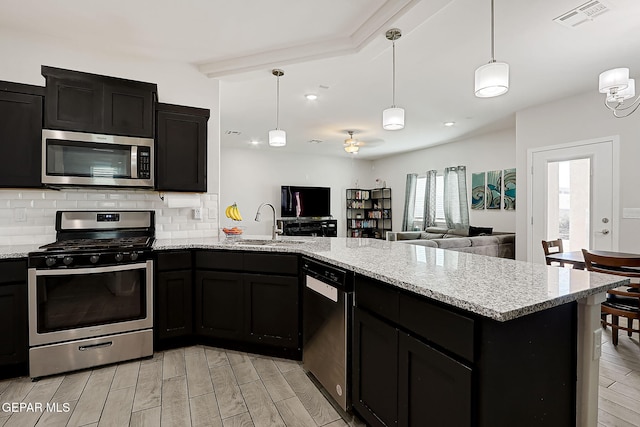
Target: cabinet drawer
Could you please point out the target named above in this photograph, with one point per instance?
(271, 263)
(219, 260)
(383, 300)
(439, 325)
(13, 271)
(174, 260)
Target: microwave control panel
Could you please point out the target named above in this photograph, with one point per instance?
(144, 162)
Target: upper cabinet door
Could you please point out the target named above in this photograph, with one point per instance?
(86, 102)
(73, 104)
(181, 152)
(128, 110)
(20, 138)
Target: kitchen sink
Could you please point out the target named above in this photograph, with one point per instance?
(268, 242)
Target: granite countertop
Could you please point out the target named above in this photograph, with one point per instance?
(497, 288)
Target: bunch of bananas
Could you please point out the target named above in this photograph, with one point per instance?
(233, 212)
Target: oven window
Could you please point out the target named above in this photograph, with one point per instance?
(81, 300)
(87, 159)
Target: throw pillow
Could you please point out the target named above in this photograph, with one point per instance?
(480, 231)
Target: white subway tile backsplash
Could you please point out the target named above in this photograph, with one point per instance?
(40, 206)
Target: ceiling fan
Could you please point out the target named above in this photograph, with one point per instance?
(352, 145)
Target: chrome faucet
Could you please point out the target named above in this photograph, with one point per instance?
(275, 230)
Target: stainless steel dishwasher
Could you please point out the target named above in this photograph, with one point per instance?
(326, 354)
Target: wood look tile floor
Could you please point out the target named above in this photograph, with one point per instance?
(193, 386)
(205, 386)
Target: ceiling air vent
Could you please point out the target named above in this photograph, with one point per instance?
(583, 13)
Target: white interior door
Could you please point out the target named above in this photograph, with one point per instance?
(572, 197)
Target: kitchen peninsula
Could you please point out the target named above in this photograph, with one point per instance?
(512, 343)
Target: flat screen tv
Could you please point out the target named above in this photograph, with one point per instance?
(305, 202)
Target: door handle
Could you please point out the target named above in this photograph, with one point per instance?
(604, 231)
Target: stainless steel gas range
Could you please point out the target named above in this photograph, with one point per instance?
(91, 292)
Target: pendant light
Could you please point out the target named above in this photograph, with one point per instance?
(618, 88)
(492, 79)
(277, 137)
(393, 117)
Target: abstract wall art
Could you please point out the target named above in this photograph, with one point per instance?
(477, 190)
(509, 179)
(494, 189)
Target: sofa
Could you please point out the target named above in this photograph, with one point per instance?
(475, 240)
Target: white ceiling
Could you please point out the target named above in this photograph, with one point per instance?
(337, 49)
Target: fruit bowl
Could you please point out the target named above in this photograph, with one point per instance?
(232, 232)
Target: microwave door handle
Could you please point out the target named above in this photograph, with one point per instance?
(134, 161)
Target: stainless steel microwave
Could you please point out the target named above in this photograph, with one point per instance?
(75, 158)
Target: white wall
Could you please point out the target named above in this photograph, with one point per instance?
(579, 118)
(252, 177)
(493, 151)
(178, 83)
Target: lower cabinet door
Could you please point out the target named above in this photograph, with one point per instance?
(174, 314)
(433, 388)
(13, 324)
(219, 307)
(375, 370)
(273, 309)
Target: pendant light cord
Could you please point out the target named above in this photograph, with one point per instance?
(393, 96)
(277, 102)
(492, 36)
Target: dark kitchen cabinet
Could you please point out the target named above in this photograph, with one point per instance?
(85, 102)
(173, 298)
(375, 369)
(416, 359)
(250, 300)
(181, 155)
(220, 304)
(272, 305)
(20, 135)
(14, 344)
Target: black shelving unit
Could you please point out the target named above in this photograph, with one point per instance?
(368, 212)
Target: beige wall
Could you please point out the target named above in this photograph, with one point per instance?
(578, 118)
(492, 151)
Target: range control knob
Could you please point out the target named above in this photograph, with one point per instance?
(67, 260)
(134, 256)
(119, 257)
(50, 261)
(94, 258)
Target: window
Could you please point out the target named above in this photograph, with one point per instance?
(418, 208)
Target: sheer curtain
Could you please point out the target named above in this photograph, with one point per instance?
(429, 213)
(456, 208)
(409, 202)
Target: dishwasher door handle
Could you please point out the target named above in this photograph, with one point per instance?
(322, 288)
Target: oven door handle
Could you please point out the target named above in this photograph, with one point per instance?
(91, 270)
(95, 346)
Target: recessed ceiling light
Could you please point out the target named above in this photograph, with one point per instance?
(449, 124)
(311, 96)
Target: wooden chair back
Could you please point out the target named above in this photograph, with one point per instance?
(623, 301)
(552, 247)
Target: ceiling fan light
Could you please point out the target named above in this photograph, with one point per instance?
(393, 118)
(352, 149)
(277, 138)
(492, 79)
(616, 79)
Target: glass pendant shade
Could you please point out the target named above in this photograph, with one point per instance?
(623, 94)
(277, 138)
(616, 79)
(492, 79)
(393, 118)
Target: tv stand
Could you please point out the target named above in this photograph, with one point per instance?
(308, 227)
